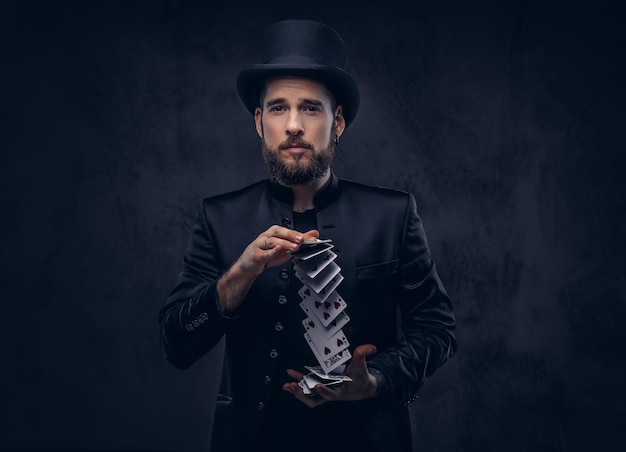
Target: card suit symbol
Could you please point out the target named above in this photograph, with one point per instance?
(307, 292)
(326, 315)
(311, 323)
(339, 342)
(337, 305)
(317, 304)
(340, 353)
(326, 350)
(327, 305)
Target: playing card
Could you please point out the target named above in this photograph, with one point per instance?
(309, 249)
(328, 346)
(325, 311)
(330, 330)
(305, 388)
(310, 380)
(312, 267)
(315, 267)
(325, 292)
(330, 287)
(336, 374)
(320, 260)
(322, 279)
(317, 376)
(330, 363)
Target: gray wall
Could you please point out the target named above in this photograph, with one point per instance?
(506, 120)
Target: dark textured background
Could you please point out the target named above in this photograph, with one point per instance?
(506, 120)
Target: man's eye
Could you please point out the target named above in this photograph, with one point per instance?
(277, 109)
(312, 109)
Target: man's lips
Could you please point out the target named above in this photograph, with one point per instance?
(296, 148)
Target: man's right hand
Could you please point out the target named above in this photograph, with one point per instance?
(270, 249)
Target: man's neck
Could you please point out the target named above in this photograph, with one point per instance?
(303, 194)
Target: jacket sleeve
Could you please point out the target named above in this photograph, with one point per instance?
(191, 323)
(428, 321)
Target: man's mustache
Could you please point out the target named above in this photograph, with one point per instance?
(295, 142)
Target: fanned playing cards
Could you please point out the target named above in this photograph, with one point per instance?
(315, 266)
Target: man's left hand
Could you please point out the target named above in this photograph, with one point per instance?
(362, 386)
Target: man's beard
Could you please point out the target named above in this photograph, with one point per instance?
(298, 171)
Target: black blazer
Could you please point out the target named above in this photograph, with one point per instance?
(387, 268)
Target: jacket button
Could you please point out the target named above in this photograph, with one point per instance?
(284, 274)
(260, 406)
(282, 299)
(286, 222)
(278, 326)
(267, 380)
(273, 353)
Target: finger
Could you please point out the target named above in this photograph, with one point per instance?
(363, 351)
(278, 239)
(280, 232)
(326, 393)
(292, 388)
(295, 374)
(311, 235)
(358, 363)
(296, 391)
(276, 244)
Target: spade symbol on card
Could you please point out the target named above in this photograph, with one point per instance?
(326, 350)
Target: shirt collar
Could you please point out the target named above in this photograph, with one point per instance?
(326, 196)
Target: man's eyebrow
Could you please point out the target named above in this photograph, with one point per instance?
(272, 102)
(280, 100)
(312, 102)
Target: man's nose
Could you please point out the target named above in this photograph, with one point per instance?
(294, 123)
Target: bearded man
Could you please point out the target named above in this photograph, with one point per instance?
(238, 277)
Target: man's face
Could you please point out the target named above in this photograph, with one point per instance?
(298, 127)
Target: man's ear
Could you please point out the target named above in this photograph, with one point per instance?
(258, 120)
(340, 122)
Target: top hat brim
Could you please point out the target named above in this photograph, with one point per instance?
(345, 89)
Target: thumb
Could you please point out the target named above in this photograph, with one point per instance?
(313, 234)
(359, 355)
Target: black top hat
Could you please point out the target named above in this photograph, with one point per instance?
(301, 48)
